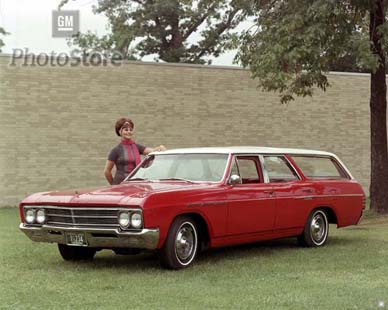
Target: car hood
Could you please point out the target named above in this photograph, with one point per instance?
(127, 193)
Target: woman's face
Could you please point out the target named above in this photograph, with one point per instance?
(127, 132)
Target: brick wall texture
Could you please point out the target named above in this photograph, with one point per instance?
(57, 124)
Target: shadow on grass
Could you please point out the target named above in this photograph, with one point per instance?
(109, 260)
(148, 261)
(269, 248)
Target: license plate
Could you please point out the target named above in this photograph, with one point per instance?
(76, 239)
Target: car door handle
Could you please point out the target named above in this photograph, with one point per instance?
(269, 192)
(307, 191)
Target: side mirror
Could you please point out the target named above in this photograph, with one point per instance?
(234, 179)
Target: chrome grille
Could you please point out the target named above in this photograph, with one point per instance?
(82, 217)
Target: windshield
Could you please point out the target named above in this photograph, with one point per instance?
(189, 167)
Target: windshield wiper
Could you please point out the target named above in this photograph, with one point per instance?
(175, 179)
(136, 179)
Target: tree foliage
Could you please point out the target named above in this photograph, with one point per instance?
(187, 31)
(296, 42)
(3, 33)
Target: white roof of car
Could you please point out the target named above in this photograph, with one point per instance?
(251, 150)
(245, 150)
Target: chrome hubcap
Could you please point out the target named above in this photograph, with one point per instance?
(318, 227)
(185, 242)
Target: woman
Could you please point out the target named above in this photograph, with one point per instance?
(126, 155)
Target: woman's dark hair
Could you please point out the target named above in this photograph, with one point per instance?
(120, 122)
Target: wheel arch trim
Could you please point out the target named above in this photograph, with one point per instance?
(330, 213)
(200, 219)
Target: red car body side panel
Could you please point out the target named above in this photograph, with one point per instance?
(294, 202)
(345, 197)
(251, 209)
(160, 210)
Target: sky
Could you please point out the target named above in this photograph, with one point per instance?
(29, 25)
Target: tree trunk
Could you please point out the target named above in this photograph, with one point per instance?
(378, 111)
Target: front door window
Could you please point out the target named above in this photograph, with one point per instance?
(249, 169)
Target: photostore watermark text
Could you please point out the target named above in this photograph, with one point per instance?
(76, 57)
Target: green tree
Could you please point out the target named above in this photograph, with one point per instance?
(166, 28)
(295, 41)
(2, 32)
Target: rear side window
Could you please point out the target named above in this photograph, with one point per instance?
(320, 167)
(279, 170)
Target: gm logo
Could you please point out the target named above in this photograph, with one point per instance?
(65, 23)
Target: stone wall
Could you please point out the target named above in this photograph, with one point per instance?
(56, 124)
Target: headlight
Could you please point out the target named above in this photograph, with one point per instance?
(40, 216)
(136, 221)
(123, 219)
(30, 216)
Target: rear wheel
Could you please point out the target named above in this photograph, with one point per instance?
(181, 245)
(74, 253)
(316, 229)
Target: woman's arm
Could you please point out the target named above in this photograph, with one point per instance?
(108, 171)
(159, 148)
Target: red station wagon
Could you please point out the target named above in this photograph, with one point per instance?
(181, 201)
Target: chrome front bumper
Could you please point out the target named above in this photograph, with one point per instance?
(95, 237)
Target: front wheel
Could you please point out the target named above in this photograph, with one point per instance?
(316, 229)
(74, 253)
(181, 245)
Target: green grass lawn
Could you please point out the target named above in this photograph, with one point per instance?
(351, 272)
